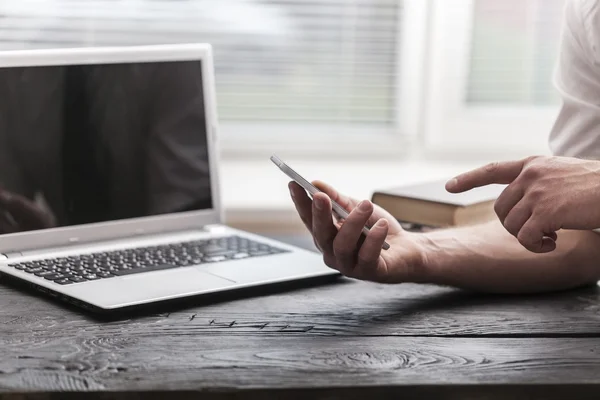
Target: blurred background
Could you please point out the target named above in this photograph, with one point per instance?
(361, 93)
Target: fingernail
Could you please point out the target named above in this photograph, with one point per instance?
(451, 183)
(382, 223)
(364, 206)
(291, 190)
(319, 203)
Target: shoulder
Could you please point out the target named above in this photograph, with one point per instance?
(577, 79)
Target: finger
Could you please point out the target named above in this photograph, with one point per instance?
(516, 218)
(532, 237)
(23, 210)
(324, 231)
(551, 235)
(7, 224)
(346, 243)
(302, 203)
(498, 172)
(5, 228)
(346, 202)
(548, 245)
(368, 255)
(507, 200)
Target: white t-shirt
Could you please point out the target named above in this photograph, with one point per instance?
(576, 132)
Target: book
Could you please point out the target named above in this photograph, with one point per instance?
(428, 204)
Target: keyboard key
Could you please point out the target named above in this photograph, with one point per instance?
(44, 273)
(53, 277)
(258, 253)
(211, 249)
(146, 269)
(224, 253)
(214, 259)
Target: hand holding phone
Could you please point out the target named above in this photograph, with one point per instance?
(338, 211)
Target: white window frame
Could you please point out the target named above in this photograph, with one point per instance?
(452, 125)
(297, 139)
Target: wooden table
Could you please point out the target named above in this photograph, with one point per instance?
(347, 339)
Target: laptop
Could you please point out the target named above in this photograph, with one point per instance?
(109, 181)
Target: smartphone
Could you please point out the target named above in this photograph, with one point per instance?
(337, 210)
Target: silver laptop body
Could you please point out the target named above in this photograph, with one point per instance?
(149, 225)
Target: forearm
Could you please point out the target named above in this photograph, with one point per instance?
(487, 258)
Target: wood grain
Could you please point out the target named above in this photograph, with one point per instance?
(441, 391)
(346, 308)
(193, 362)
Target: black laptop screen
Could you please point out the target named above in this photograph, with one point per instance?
(93, 143)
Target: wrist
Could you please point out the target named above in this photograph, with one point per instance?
(424, 264)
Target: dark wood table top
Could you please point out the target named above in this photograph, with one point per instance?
(346, 339)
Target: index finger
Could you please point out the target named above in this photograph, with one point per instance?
(498, 172)
(22, 209)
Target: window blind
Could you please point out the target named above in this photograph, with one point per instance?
(513, 51)
(314, 61)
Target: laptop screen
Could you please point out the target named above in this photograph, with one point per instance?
(82, 144)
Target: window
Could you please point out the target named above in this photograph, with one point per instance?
(341, 77)
(285, 69)
(491, 74)
(513, 52)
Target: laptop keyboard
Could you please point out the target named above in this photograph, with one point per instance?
(90, 267)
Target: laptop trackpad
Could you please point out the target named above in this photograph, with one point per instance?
(174, 282)
(152, 286)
